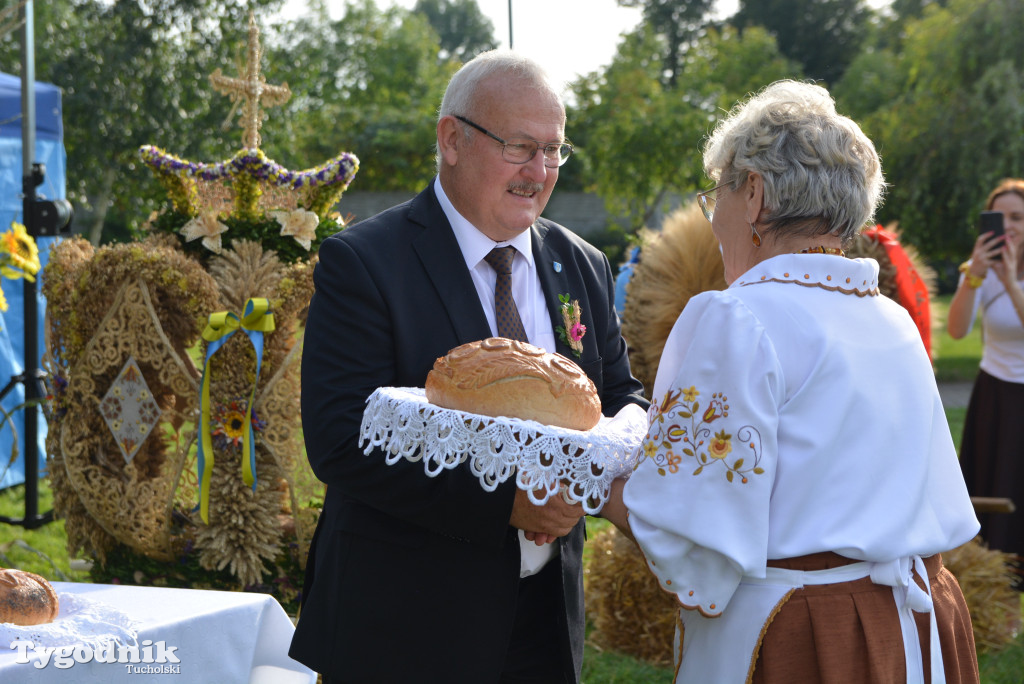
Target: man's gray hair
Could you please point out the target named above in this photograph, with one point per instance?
(821, 172)
(462, 90)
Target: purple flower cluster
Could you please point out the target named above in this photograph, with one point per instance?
(254, 163)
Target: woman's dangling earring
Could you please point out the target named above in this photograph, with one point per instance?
(754, 237)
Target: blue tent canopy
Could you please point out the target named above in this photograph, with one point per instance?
(49, 125)
(50, 152)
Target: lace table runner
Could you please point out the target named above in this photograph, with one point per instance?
(546, 460)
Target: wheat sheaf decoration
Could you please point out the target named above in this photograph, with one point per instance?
(170, 442)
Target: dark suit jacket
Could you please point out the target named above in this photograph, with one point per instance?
(413, 578)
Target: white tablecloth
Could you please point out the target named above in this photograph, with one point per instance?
(219, 637)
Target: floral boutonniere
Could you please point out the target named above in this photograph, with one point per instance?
(571, 331)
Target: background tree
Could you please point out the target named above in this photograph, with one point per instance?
(940, 94)
(463, 29)
(369, 83)
(639, 141)
(623, 128)
(679, 22)
(824, 36)
(138, 73)
(908, 9)
(121, 67)
(952, 128)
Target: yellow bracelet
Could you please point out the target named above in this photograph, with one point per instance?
(973, 281)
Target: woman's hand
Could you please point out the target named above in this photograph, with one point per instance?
(615, 510)
(987, 251)
(1006, 267)
(987, 248)
(1007, 272)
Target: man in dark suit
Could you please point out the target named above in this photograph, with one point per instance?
(417, 579)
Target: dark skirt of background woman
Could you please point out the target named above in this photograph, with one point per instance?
(992, 459)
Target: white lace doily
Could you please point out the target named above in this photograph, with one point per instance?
(543, 458)
(79, 621)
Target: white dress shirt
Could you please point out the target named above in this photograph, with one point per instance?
(529, 298)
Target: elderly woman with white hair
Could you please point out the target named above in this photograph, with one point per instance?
(799, 480)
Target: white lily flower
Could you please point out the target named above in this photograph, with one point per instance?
(298, 223)
(207, 227)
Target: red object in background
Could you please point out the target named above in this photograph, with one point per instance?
(911, 291)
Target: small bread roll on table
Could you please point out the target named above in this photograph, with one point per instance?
(26, 598)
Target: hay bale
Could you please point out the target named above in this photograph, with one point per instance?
(630, 612)
(986, 577)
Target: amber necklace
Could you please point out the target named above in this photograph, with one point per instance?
(823, 250)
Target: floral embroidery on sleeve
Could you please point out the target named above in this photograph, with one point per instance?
(679, 429)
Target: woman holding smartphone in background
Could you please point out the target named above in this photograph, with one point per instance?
(993, 439)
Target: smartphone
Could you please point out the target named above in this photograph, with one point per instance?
(992, 222)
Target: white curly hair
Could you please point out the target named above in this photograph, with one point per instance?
(821, 172)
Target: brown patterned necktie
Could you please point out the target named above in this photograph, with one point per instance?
(505, 311)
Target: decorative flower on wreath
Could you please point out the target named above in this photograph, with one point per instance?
(299, 224)
(677, 431)
(571, 331)
(228, 422)
(20, 253)
(207, 227)
(58, 391)
(19, 257)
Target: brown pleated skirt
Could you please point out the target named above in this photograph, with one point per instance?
(849, 632)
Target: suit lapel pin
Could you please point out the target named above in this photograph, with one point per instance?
(558, 267)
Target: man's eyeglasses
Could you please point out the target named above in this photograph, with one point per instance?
(707, 201)
(522, 150)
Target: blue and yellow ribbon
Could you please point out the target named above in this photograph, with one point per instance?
(254, 322)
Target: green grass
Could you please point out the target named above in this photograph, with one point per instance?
(43, 550)
(1004, 667)
(955, 417)
(609, 667)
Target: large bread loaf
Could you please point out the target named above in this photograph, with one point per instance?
(26, 598)
(502, 377)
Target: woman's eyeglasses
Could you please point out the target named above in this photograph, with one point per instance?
(707, 201)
